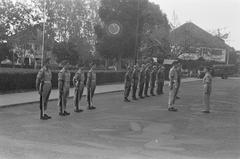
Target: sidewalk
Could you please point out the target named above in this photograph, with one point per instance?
(32, 97)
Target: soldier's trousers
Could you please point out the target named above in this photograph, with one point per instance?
(127, 90)
(90, 94)
(171, 99)
(206, 96)
(63, 100)
(146, 88)
(160, 87)
(152, 85)
(177, 89)
(141, 87)
(134, 90)
(78, 92)
(46, 90)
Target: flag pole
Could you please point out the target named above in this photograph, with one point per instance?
(43, 38)
(137, 28)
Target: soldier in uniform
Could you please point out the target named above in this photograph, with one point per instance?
(153, 80)
(63, 87)
(147, 79)
(142, 79)
(127, 83)
(44, 86)
(91, 86)
(178, 80)
(134, 82)
(78, 82)
(207, 85)
(160, 80)
(173, 86)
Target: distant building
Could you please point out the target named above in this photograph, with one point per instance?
(195, 43)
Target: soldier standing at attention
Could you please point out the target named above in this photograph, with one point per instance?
(134, 82)
(78, 82)
(162, 78)
(147, 80)
(207, 85)
(158, 80)
(63, 87)
(127, 83)
(91, 86)
(173, 86)
(44, 86)
(178, 69)
(142, 79)
(153, 80)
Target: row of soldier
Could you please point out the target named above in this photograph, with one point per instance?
(44, 85)
(147, 76)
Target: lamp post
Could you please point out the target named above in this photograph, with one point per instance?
(137, 28)
(43, 56)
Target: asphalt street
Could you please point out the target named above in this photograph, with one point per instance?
(142, 129)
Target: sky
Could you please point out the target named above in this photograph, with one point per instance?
(210, 15)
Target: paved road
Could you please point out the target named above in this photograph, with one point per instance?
(136, 130)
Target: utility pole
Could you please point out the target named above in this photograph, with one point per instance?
(137, 31)
(43, 37)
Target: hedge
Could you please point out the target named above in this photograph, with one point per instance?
(25, 80)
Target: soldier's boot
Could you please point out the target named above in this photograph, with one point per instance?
(126, 99)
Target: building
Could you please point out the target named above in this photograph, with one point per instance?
(190, 42)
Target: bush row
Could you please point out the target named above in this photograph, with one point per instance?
(19, 81)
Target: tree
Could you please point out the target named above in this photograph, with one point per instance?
(132, 16)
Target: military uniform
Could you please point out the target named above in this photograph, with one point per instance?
(160, 81)
(78, 81)
(142, 79)
(63, 86)
(127, 85)
(44, 86)
(147, 80)
(91, 86)
(173, 86)
(134, 83)
(207, 85)
(152, 82)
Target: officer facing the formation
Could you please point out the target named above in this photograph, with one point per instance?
(207, 85)
(160, 80)
(173, 86)
(63, 87)
(134, 82)
(44, 86)
(147, 79)
(142, 78)
(127, 84)
(91, 86)
(153, 80)
(178, 69)
(78, 82)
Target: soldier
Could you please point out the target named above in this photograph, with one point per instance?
(44, 86)
(127, 82)
(153, 80)
(63, 87)
(173, 86)
(147, 80)
(91, 86)
(178, 80)
(142, 79)
(78, 82)
(134, 82)
(207, 85)
(160, 80)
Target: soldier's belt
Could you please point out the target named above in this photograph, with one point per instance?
(47, 81)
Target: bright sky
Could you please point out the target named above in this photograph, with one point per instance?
(207, 14)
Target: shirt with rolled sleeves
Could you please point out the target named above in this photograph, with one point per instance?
(135, 77)
(91, 79)
(64, 76)
(78, 78)
(142, 76)
(172, 76)
(44, 75)
(127, 80)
